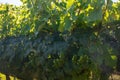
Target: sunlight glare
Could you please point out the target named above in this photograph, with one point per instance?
(13, 2)
(115, 0)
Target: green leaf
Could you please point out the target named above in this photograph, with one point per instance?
(68, 23)
(95, 15)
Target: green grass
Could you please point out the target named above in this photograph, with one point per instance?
(3, 77)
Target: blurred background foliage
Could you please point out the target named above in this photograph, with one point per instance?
(60, 39)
